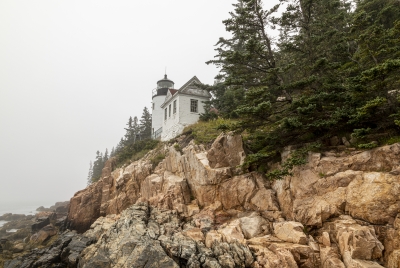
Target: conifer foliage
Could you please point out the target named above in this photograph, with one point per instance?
(136, 139)
(333, 69)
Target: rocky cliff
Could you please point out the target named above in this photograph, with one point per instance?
(196, 208)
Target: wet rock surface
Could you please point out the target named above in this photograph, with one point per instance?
(63, 252)
(32, 232)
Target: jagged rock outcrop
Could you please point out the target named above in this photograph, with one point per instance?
(30, 232)
(341, 209)
(149, 237)
(64, 252)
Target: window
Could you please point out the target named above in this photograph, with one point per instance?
(193, 106)
(169, 110)
(165, 114)
(153, 105)
(174, 106)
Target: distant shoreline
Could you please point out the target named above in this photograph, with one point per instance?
(25, 209)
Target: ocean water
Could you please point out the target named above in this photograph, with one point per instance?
(2, 223)
(27, 209)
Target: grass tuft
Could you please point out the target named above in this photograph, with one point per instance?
(206, 132)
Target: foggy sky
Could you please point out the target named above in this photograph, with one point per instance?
(72, 72)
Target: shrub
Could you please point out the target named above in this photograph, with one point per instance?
(368, 145)
(393, 140)
(297, 158)
(155, 160)
(206, 132)
(178, 148)
(135, 151)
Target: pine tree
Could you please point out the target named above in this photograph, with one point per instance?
(90, 174)
(105, 157)
(296, 90)
(145, 124)
(135, 128)
(112, 152)
(120, 146)
(129, 135)
(246, 60)
(97, 166)
(374, 77)
(313, 47)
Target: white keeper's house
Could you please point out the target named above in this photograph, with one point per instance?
(174, 109)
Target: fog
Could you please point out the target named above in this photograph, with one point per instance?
(72, 72)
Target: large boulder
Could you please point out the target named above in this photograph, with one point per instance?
(254, 225)
(44, 234)
(226, 151)
(357, 244)
(40, 223)
(290, 231)
(363, 184)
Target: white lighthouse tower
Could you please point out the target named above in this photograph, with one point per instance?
(159, 95)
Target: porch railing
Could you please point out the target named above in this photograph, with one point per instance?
(157, 134)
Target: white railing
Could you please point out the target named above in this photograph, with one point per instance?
(157, 134)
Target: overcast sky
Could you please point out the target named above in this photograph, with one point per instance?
(72, 72)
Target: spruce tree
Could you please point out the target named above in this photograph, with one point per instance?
(145, 124)
(97, 166)
(246, 60)
(105, 157)
(374, 74)
(90, 174)
(135, 128)
(120, 146)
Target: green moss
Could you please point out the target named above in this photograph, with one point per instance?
(155, 160)
(207, 132)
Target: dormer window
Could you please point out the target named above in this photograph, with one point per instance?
(169, 106)
(165, 114)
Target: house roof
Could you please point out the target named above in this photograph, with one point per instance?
(173, 91)
(189, 88)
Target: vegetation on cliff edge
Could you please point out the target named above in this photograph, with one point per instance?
(133, 146)
(333, 71)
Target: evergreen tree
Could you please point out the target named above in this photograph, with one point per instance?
(313, 47)
(246, 60)
(374, 77)
(97, 166)
(132, 131)
(307, 89)
(105, 158)
(135, 128)
(129, 135)
(90, 174)
(112, 152)
(119, 146)
(145, 124)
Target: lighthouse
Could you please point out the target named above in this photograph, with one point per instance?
(159, 94)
